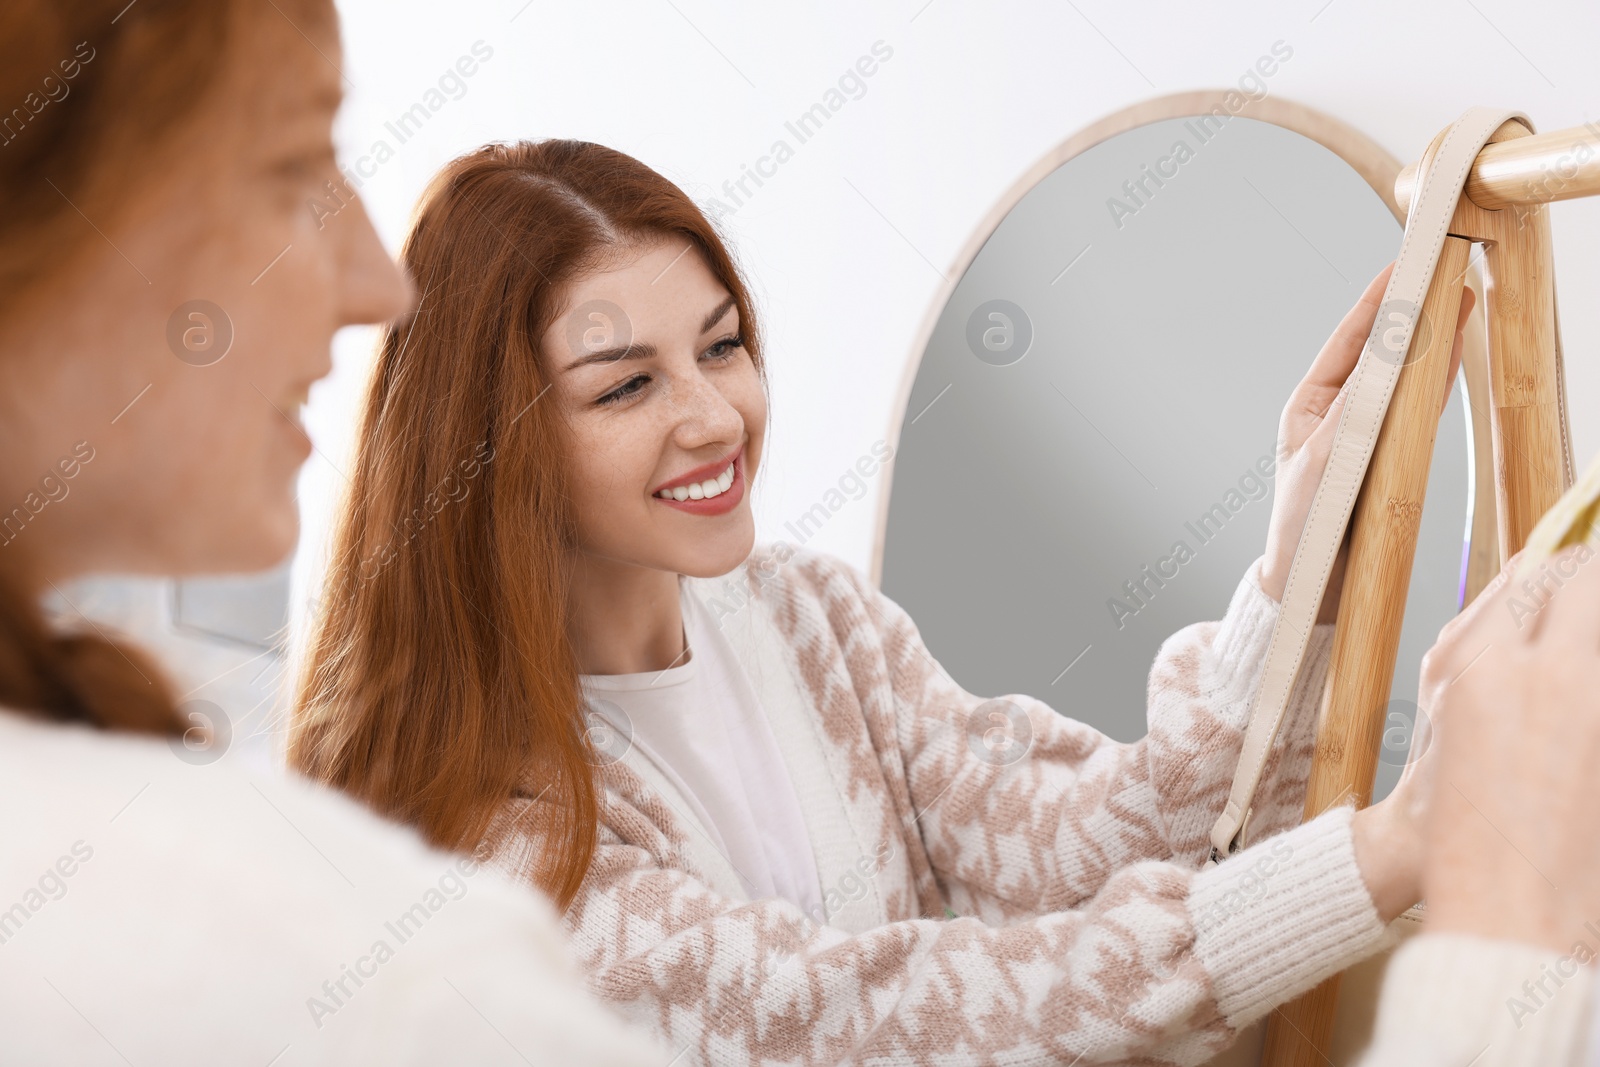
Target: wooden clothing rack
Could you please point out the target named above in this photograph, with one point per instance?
(1503, 208)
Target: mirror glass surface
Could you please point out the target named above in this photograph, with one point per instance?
(1079, 470)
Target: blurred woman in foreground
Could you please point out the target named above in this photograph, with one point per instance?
(166, 302)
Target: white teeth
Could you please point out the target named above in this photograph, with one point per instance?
(701, 490)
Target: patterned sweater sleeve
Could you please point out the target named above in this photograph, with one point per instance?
(1060, 814)
(1024, 810)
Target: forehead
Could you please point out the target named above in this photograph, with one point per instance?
(660, 281)
(274, 99)
(294, 87)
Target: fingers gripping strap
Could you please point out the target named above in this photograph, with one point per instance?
(1367, 396)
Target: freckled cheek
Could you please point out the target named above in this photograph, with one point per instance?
(613, 472)
(752, 407)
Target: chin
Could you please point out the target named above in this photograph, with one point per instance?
(720, 555)
(256, 545)
(279, 539)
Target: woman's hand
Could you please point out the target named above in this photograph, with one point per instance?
(1305, 439)
(1391, 836)
(1513, 810)
(1496, 814)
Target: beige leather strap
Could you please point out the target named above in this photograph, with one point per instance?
(1368, 391)
(1561, 393)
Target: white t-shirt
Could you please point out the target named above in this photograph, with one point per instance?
(156, 910)
(701, 723)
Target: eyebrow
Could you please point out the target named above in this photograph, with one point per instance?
(645, 350)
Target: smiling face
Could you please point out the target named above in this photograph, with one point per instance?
(182, 346)
(663, 402)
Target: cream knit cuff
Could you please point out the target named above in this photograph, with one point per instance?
(1455, 998)
(1278, 917)
(1239, 649)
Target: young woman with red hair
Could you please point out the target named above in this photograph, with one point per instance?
(779, 829)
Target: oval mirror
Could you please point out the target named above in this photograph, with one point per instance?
(1085, 441)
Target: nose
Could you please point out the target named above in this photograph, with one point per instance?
(372, 287)
(705, 415)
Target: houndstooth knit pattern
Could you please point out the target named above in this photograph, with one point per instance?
(1086, 927)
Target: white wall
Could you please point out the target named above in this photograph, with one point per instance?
(847, 240)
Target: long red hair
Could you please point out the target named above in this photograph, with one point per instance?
(439, 677)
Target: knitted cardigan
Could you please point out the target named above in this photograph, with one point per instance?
(1001, 882)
